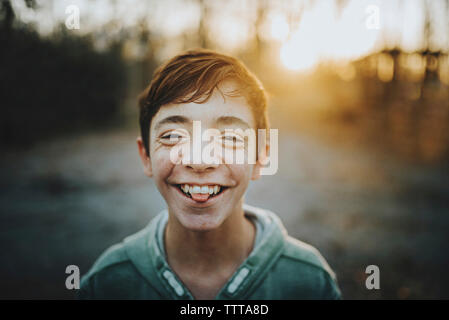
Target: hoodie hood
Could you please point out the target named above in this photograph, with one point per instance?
(149, 259)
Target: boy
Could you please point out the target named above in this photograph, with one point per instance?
(207, 244)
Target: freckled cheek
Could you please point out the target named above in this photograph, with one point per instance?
(162, 166)
(241, 173)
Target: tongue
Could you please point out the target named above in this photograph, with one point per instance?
(200, 197)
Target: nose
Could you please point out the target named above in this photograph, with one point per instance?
(203, 159)
(200, 167)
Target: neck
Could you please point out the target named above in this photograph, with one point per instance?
(227, 246)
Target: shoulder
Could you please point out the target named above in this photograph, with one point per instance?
(299, 271)
(299, 252)
(111, 273)
(305, 273)
(126, 270)
(117, 272)
(113, 257)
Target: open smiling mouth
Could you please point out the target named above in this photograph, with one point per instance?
(201, 193)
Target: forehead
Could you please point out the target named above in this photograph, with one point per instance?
(220, 109)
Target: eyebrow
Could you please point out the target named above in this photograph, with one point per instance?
(172, 119)
(223, 121)
(230, 120)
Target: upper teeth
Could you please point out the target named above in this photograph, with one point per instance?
(200, 189)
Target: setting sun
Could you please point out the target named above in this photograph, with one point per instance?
(324, 35)
(279, 27)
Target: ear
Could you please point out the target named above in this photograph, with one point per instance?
(146, 161)
(262, 157)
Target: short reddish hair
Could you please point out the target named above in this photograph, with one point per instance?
(192, 76)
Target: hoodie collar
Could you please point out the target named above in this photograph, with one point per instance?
(145, 254)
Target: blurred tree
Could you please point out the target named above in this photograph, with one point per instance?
(147, 59)
(6, 14)
(202, 31)
(55, 84)
(262, 9)
(341, 4)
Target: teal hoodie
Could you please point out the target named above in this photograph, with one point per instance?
(279, 267)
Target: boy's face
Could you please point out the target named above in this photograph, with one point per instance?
(196, 210)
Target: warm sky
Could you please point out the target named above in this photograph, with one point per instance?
(325, 31)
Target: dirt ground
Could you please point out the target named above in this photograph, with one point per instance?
(65, 201)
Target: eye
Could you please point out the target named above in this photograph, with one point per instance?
(172, 138)
(233, 140)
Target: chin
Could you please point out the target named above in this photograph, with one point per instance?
(206, 221)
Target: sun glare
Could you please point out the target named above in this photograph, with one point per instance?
(322, 35)
(297, 55)
(279, 27)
